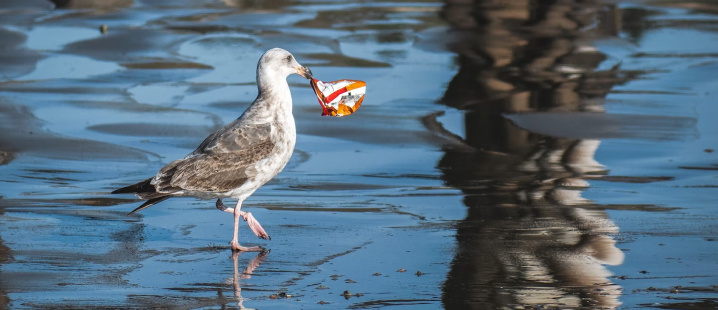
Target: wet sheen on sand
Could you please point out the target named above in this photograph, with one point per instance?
(508, 155)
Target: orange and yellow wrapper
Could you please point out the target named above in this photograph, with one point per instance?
(339, 98)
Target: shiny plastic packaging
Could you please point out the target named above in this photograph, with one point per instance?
(339, 98)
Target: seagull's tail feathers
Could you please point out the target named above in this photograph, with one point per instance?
(144, 190)
(138, 188)
(148, 204)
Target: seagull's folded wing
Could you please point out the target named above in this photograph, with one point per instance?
(221, 162)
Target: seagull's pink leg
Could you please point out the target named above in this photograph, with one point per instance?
(248, 217)
(235, 239)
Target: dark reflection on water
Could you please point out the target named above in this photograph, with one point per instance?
(92, 4)
(5, 257)
(5, 253)
(83, 112)
(246, 273)
(529, 238)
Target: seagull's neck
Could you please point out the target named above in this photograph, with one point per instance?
(274, 90)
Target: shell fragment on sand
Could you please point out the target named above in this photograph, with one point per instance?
(339, 98)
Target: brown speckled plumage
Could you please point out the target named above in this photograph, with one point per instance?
(220, 163)
(240, 157)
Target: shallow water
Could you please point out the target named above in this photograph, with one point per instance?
(525, 155)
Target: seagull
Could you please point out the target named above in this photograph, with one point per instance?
(240, 157)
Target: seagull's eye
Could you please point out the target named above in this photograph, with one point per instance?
(289, 58)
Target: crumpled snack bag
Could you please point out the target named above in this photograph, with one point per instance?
(339, 98)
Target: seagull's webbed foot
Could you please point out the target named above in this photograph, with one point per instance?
(254, 225)
(237, 247)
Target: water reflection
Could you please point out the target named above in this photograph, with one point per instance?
(5, 254)
(5, 157)
(529, 237)
(256, 5)
(246, 273)
(5, 257)
(92, 4)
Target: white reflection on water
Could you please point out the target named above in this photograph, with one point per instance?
(55, 38)
(69, 67)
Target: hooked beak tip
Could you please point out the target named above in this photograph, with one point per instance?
(305, 72)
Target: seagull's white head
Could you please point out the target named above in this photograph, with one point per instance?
(278, 63)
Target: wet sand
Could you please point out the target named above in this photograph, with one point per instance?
(522, 155)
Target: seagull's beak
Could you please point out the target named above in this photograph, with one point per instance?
(305, 72)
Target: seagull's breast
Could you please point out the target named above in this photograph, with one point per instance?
(285, 134)
(284, 137)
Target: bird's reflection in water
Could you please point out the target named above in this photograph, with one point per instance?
(245, 274)
(529, 238)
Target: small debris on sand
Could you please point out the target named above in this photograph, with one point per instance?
(376, 274)
(322, 287)
(103, 29)
(419, 273)
(401, 270)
